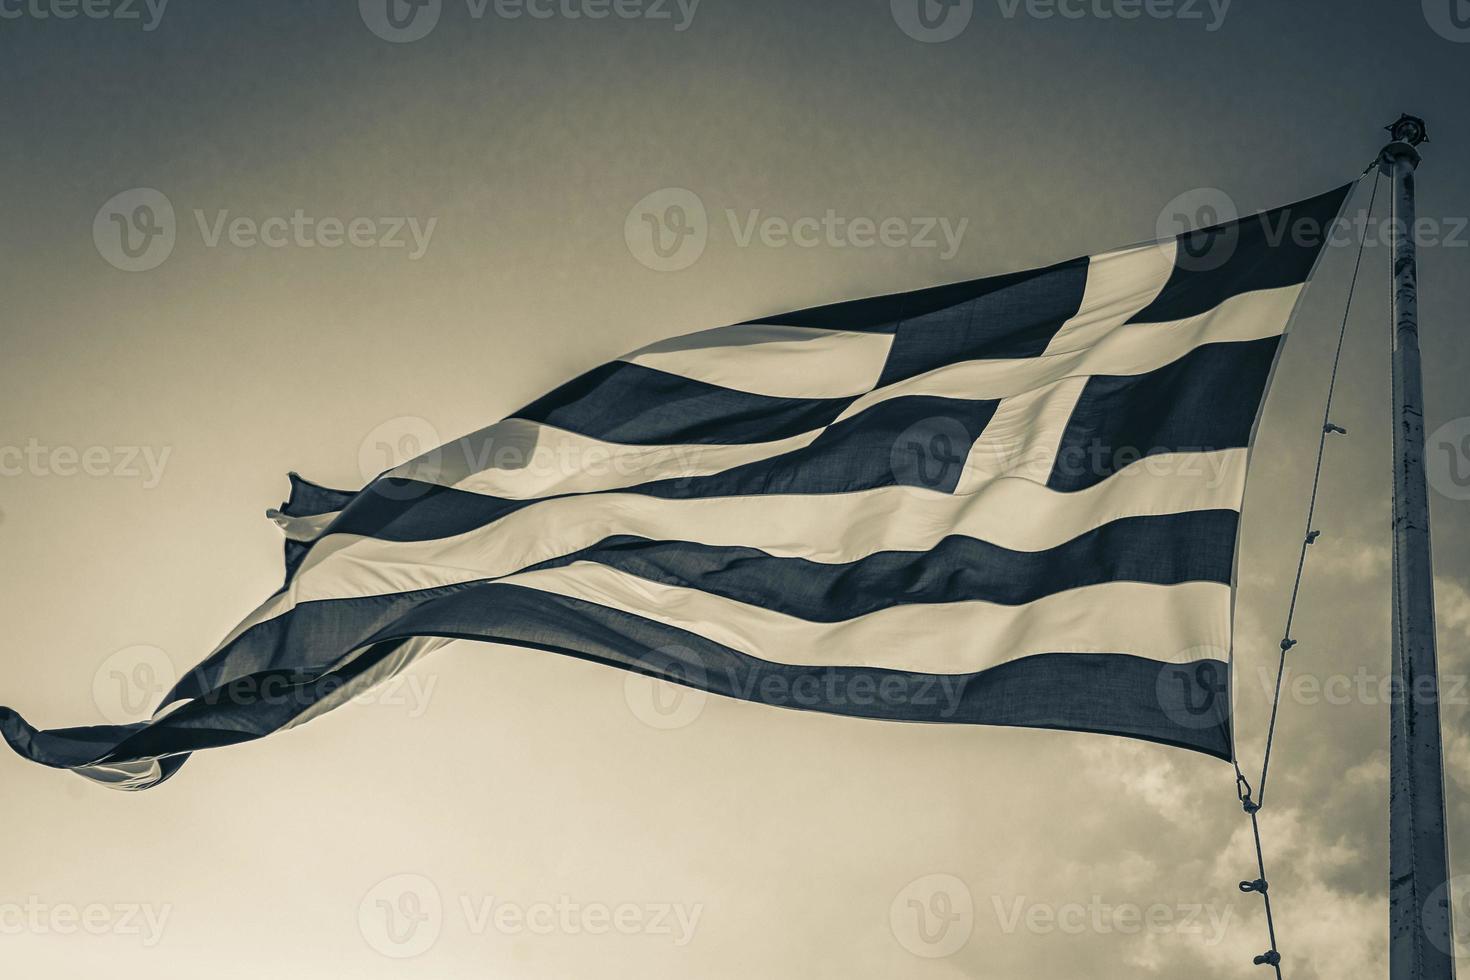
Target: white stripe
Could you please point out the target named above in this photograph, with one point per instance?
(1119, 285)
(767, 359)
(133, 775)
(1163, 622)
(403, 656)
(521, 460)
(301, 528)
(1022, 438)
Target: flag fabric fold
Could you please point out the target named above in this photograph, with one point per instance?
(1010, 501)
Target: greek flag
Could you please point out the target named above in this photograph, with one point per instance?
(1008, 501)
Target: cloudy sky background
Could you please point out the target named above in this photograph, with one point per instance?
(789, 842)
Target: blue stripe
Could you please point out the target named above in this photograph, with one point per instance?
(642, 406)
(1196, 546)
(959, 306)
(1206, 400)
(309, 499)
(1010, 316)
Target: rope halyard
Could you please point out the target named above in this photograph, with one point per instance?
(1252, 806)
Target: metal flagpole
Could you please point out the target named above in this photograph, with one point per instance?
(1420, 934)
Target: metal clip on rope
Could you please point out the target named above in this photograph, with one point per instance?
(1243, 790)
(1259, 885)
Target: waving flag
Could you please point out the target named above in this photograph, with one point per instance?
(1011, 501)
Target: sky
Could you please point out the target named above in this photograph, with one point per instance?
(376, 232)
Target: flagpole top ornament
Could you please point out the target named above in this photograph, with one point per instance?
(1406, 132)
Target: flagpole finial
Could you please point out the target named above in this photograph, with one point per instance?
(1408, 129)
(1406, 133)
